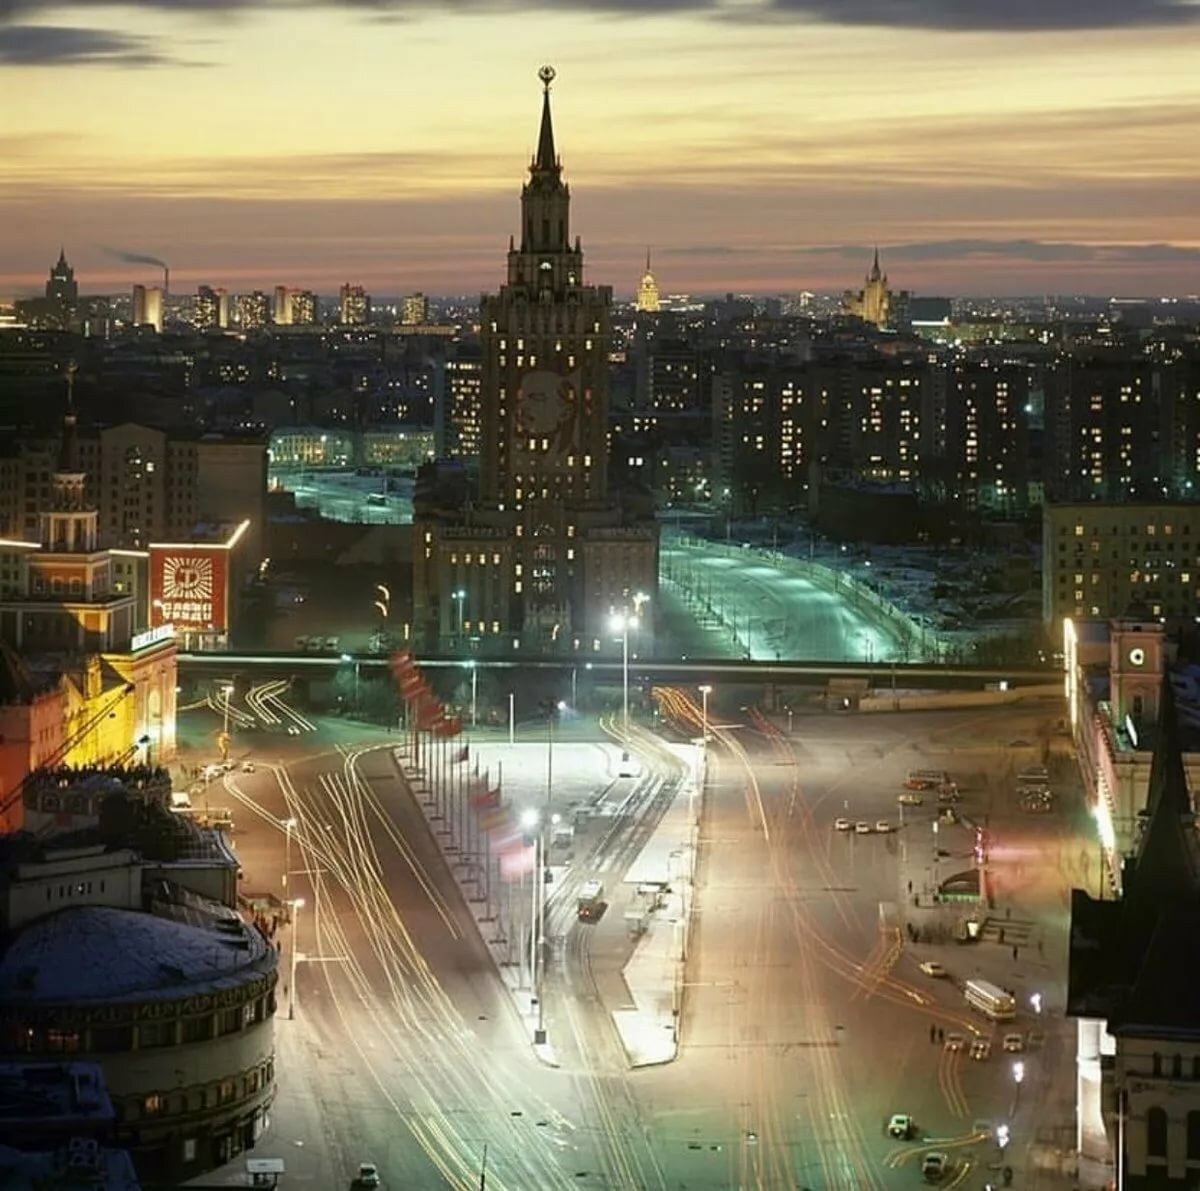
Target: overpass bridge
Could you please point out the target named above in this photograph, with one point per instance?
(730, 671)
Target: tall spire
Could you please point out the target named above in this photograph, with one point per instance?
(546, 159)
(1166, 859)
(68, 448)
(647, 260)
(875, 273)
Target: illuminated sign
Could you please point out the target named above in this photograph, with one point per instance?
(162, 632)
(189, 587)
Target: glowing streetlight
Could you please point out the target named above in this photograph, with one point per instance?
(460, 597)
(621, 623)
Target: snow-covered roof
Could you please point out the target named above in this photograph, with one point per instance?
(99, 953)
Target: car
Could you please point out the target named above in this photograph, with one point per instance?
(210, 771)
(907, 799)
(367, 1177)
(954, 1042)
(901, 1125)
(981, 1049)
(862, 828)
(627, 766)
(247, 766)
(931, 967)
(883, 826)
(934, 1166)
(228, 767)
(842, 825)
(1014, 1043)
(293, 730)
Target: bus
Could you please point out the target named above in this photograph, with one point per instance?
(591, 901)
(990, 1000)
(926, 779)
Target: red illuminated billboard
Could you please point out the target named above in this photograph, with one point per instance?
(189, 587)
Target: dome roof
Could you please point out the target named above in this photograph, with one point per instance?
(98, 953)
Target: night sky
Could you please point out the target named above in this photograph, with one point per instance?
(988, 146)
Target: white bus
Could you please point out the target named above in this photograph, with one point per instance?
(990, 1000)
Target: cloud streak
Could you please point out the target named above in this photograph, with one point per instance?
(959, 15)
(61, 45)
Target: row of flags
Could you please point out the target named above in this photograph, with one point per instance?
(427, 713)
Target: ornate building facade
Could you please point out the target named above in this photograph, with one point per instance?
(647, 301)
(875, 302)
(543, 557)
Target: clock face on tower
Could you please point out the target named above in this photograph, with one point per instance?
(547, 413)
(1137, 656)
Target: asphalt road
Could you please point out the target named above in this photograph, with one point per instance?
(770, 613)
(806, 1019)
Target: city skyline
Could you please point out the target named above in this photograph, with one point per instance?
(1006, 153)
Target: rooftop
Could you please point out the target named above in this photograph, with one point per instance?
(97, 953)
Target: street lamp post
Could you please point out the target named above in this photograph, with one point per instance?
(227, 691)
(297, 904)
(474, 692)
(551, 714)
(512, 717)
(705, 691)
(460, 596)
(288, 826)
(622, 622)
(348, 658)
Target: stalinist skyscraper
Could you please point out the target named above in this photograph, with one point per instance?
(544, 556)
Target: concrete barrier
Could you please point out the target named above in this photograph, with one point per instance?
(942, 700)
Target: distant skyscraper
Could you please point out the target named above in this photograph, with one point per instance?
(304, 307)
(253, 310)
(354, 306)
(414, 311)
(62, 291)
(281, 307)
(545, 556)
(874, 302)
(212, 309)
(148, 307)
(647, 294)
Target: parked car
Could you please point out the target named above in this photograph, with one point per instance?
(955, 1042)
(901, 1125)
(908, 799)
(1014, 1043)
(931, 967)
(247, 766)
(981, 1049)
(883, 827)
(842, 825)
(862, 828)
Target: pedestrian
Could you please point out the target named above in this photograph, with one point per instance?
(1008, 911)
(1015, 953)
(910, 887)
(1002, 934)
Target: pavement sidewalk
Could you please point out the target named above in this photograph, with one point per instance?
(654, 974)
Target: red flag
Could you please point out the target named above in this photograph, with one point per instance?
(485, 799)
(516, 862)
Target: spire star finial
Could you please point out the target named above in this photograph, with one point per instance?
(546, 74)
